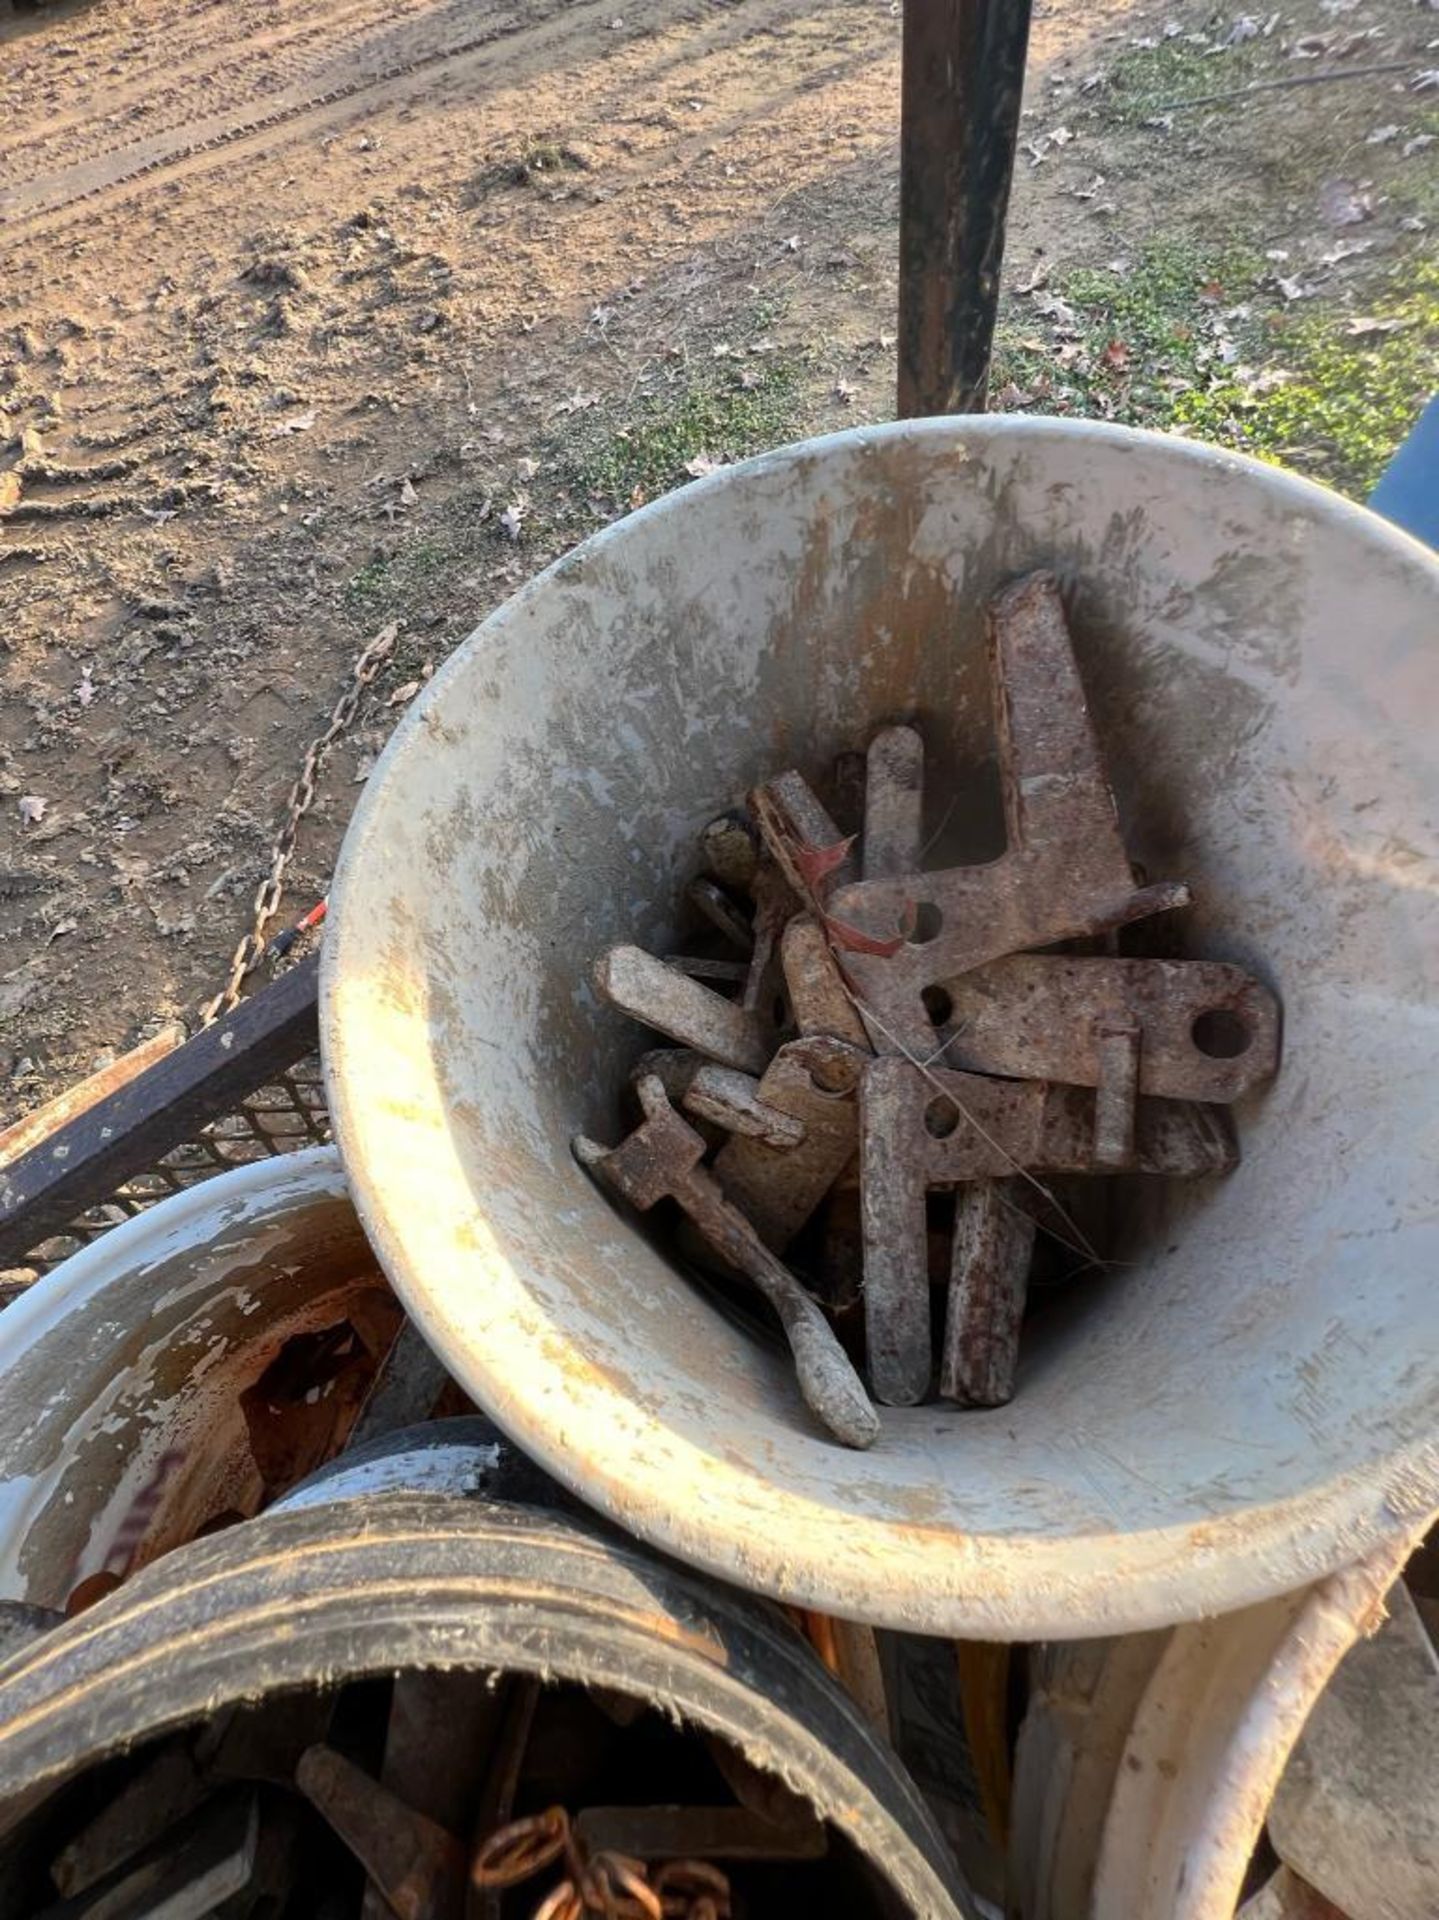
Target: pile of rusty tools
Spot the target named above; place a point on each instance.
(400, 1798)
(891, 1066)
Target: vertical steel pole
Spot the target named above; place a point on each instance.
(963, 76)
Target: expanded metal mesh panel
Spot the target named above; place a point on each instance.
(287, 1113)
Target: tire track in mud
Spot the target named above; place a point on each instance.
(36, 207)
(226, 75)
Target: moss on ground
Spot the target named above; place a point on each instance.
(737, 403)
(1212, 345)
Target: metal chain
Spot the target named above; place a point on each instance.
(371, 657)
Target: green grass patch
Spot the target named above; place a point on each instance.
(1143, 82)
(1205, 344)
(719, 410)
(1332, 402)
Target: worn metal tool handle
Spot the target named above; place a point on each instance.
(832, 1389)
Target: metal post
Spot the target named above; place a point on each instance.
(963, 76)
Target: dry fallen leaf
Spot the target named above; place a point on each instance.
(702, 464)
(9, 491)
(512, 519)
(32, 809)
(408, 496)
(297, 423)
(60, 927)
(1344, 204)
(1115, 356)
(403, 694)
(85, 692)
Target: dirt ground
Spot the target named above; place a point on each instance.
(319, 315)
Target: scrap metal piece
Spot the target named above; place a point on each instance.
(502, 1781)
(1209, 1031)
(989, 1277)
(405, 1389)
(203, 1861)
(733, 1101)
(699, 966)
(729, 847)
(675, 1067)
(721, 912)
(923, 1128)
(1117, 1044)
(774, 904)
(893, 804)
(442, 1725)
(418, 1866)
(817, 992)
(646, 989)
(147, 1807)
(1065, 872)
(813, 1081)
(661, 1159)
(918, 1132)
(684, 1833)
(795, 828)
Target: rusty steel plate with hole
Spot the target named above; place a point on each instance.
(660, 1160)
(813, 1081)
(1066, 871)
(1208, 1031)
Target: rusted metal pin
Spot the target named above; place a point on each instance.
(893, 803)
(796, 828)
(648, 990)
(661, 1159)
(699, 966)
(729, 847)
(989, 1277)
(681, 1833)
(817, 993)
(733, 1101)
(715, 905)
(418, 1866)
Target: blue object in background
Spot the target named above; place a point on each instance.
(1408, 491)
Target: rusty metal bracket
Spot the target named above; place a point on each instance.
(1208, 1031)
(418, 1866)
(692, 1014)
(1065, 872)
(813, 1081)
(661, 1160)
(924, 1129)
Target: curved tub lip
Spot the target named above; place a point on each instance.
(1133, 1581)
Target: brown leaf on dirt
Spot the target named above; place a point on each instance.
(9, 491)
(1116, 357)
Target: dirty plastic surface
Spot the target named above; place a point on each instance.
(121, 1430)
(1245, 1401)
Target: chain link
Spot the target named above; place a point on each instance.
(368, 662)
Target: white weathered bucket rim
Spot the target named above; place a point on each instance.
(723, 1514)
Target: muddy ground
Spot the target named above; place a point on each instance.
(319, 315)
